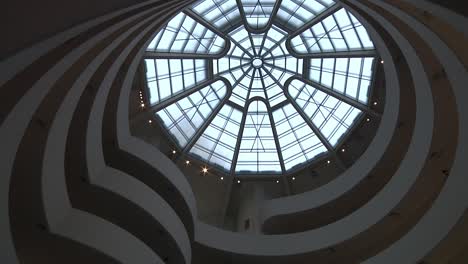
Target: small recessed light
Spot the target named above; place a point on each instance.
(187, 162)
(375, 103)
(328, 162)
(150, 121)
(277, 181)
(142, 105)
(238, 181)
(173, 152)
(205, 170)
(293, 178)
(368, 119)
(222, 178)
(382, 61)
(343, 150)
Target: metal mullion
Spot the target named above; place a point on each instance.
(333, 73)
(338, 54)
(360, 78)
(347, 75)
(278, 57)
(235, 106)
(235, 157)
(278, 149)
(274, 12)
(373, 79)
(238, 142)
(263, 84)
(182, 75)
(263, 44)
(178, 55)
(240, 6)
(252, 44)
(250, 86)
(282, 27)
(306, 68)
(236, 57)
(160, 38)
(210, 70)
(156, 79)
(280, 105)
(170, 75)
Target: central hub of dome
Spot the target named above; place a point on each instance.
(257, 63)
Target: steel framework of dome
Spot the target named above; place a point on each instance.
(260, 87)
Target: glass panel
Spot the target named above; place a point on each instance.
(295, 13)
(217, 143)
(167, 77)
(223, 14)
(297, 140)
(184, 117)
(258, 66)
(184, 35)
(258, 12)
(331, 116)
(348, 76)
(258, 151)
(339, 32)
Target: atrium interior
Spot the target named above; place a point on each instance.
(234, 131)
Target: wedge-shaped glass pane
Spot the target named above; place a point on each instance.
(297, 140)
(295, 13)
(241, 88)
(223, 14)
(339, 32)
(183, 118)
(331, 116)
(258, 152)
(218, 141)
(274, 93)
(349, 76)
(168, 77)
(258, 12)
(184, 35)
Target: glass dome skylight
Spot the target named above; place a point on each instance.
(260, 86)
